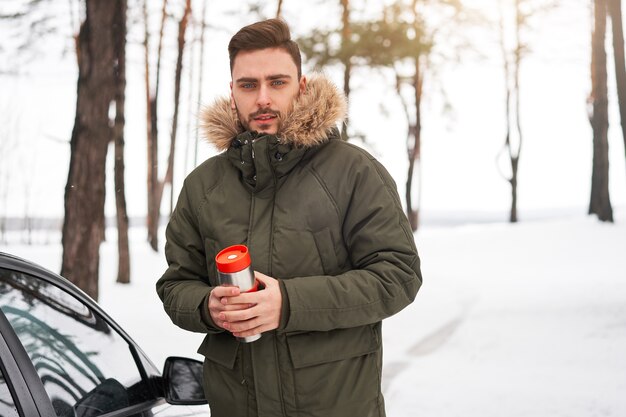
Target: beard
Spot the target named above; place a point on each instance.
(245, 121)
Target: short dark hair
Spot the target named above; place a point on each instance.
(271, 33)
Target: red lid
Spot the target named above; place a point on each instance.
(233, 259)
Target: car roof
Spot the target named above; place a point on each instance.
(16, 263)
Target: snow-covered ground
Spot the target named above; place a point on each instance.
(512, 320)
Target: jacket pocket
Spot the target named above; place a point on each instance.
(220, 348)
(335, 369)
(326, 249)
(312, 348)
(223, 377)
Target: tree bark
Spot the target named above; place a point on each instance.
(600, 203)
(507, 101)
(414, 148)
(83, 226)
(615, 11)
(200, 78)
(146, 50)
(279, 9)
(414, 152)
(119, 31)
(169, 174)
(154, 200)
(511, 68)
(514, 154)
(345, 39)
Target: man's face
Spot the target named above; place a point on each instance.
(265, 83)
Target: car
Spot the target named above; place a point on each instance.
(62, 355)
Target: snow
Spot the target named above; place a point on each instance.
(516, 320)
(522, 320)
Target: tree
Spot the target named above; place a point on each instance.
(83, 226)
(44, 20)
(119, 33)
(513, 51)
(615, 12)
(345, 58)
(152, 95)
(600, 202)
(320, 51)
(169, 174)
(201, 71)
(512, 60)
(155, 186)
(279, 9)
(403, 41)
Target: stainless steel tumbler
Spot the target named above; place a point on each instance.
(233, 269)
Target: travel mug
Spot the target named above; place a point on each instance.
(233, 269)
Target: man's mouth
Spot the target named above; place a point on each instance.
(264, 117)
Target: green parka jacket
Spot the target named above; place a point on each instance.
(324, 218)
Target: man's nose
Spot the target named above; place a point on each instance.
(263, 99)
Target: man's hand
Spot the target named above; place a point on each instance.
(262, 315)
(216, 306)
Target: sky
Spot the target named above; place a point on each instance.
(463, 116)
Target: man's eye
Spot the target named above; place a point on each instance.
(247, 85)
(278, 82)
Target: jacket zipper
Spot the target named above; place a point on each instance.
(271, 274)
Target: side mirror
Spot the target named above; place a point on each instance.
(182, 380)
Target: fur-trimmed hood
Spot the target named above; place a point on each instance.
(315, 114)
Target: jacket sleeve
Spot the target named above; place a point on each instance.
(386, 268)
(184, 287)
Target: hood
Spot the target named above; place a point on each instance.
(314, 116)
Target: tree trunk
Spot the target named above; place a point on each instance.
(279, 9)
(514, 154)
(345, 39)
(154, 201)
(507, 108)
(83, 226)
(511, 68)
(615, 11)
(146, 57)
(513, 181)
(414, 153)
(190, 90)
(200, 79)
(600, 203)
(169, 174)
(119, 31)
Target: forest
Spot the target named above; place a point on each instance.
(135, 73)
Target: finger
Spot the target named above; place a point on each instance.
(225, 291)
(245, 298)
(263, 279)
(252, 332)
(239, 315)
(218, 307)
(242, 326)
(235, 307)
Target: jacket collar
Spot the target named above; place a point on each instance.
(311, 122)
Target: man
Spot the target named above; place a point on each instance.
(326, 232)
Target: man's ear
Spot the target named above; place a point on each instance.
(232, 99)
(302, 84)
